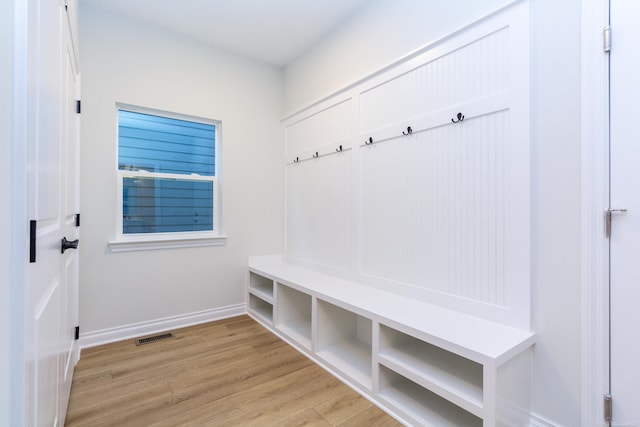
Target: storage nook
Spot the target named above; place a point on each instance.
(412, 370)
(261, 297)
(421, 404)
(294, 316)
(344, 341)
(456, 377)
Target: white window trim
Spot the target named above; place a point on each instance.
(167, 241)
(153, 241)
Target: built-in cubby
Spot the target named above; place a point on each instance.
(424, 364)
(294, 314)
(261, 308)
(449, 375)
(344, 341)
(261, 286)
(424, 407)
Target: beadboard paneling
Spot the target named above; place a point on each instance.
(441, 213)
(433, 207)
(332, 124)
(473, 71)
(319, 207)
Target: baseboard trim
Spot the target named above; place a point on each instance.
(106, 336)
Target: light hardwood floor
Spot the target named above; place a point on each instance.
(227, 373)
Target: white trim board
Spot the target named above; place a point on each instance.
(595, 197)
(120, 333)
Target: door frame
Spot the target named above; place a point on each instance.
(7, 216)
(595, 199)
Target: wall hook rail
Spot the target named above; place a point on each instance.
(409, 131)
(460, 118)
(339, 149)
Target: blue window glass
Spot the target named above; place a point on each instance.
(163, 144)
(156, 205)
(151, 147)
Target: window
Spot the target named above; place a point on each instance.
(167, 174)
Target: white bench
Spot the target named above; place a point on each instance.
(423, 364)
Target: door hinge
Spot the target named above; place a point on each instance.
(606, 38)
(33, 228)
(608, 407)
(77, 220)
(78, 106)
(77, 334)
(607, 220)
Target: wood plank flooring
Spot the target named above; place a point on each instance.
(227, 373)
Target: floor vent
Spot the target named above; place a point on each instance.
(149, 340)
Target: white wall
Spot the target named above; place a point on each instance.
(556, 105)
(386, 30)
(126, 61)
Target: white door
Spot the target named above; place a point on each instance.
(70, 266)
(51, 302)
(625, 194)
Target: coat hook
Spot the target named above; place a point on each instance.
(315, 156)
(408, 132)
(339, 149)
(369, 141)
(460, 118)
(296, 160)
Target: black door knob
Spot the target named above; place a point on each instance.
(68, 244)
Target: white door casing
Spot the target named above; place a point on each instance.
(51, 300)
(624, 194)
(71, 211)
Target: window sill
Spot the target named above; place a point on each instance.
(146, 243)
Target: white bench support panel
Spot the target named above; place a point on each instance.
(424, 364)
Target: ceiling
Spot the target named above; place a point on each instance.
(273, 31)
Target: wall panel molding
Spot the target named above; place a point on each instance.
(432, 200)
